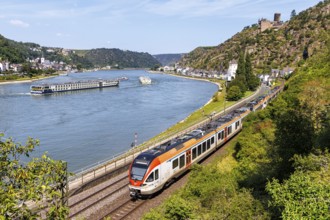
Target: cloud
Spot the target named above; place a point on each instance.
(207, 8)
(192, 8)
(58, 34)
(19, 23)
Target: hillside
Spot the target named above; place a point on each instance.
(123, 59)
(18, 52)
(278, 167)
(168, 59)
(273, 48)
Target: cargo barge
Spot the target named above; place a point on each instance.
(72, 86)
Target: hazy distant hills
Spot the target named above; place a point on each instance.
(116, 57)
(18, 52)
(168, 59)
(277, 47)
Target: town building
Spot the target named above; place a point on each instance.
(231, 72)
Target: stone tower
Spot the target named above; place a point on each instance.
(277, 17)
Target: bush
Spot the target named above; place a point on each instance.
(234, 93)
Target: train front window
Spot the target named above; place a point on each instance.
(138, 171)
(150, 177)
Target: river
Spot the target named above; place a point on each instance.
(87, 126)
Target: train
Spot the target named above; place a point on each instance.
(156, 168)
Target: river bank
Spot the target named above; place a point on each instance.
(26, 81)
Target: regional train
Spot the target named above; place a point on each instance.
(153, 169)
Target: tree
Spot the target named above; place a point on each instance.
(25, 187)
(295, 134)
(305, 53)
(234, 93)
(306, 194)
(241, 65)
(252, 81)
(248, 67)
(293, 14)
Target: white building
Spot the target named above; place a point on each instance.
(168, 68)
(231, 72)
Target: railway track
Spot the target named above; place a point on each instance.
(124, 209)
(84, 203)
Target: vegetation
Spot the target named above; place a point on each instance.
(168, 59)
(278, 167)
(269, 49)
(120, 59)
(18, 52)
(27, 187)
(245, 79)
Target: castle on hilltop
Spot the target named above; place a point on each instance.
(265, 24)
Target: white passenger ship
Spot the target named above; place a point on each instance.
(71, 86)
(145, 80)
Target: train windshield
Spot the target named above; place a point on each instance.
(138, 171)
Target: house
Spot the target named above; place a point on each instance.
(231, 72)
(275, 73)
(168, 68)
(286, 71)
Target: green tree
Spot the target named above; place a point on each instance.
(253, 82)
(25, 187)
(234, 93)
(293, 14)
(306, 194)
(295, 134)
(248, 67)
(241, 65)
(305, 53)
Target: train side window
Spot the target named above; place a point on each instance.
(212, 140)
(204, 147)
(182, 162)
(199, 148)
(236, 125)
(229, 129)
(194, 153)
(150, 177)
(208, 145)
(221, 135)
(156, 174)
(175, 163)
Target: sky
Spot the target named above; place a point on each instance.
(152, 26)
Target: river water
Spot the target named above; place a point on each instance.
(87, 126)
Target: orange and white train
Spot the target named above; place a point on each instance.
(153, 169)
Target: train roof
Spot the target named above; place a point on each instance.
(146, 157)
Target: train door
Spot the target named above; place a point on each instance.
(157, 180)
(226, 133)
(188, 158)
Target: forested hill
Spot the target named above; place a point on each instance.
(273, 48)
(278, 167)
(116, 57)
(19, 52)
(168, 59)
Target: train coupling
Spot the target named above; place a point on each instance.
(134, 193)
